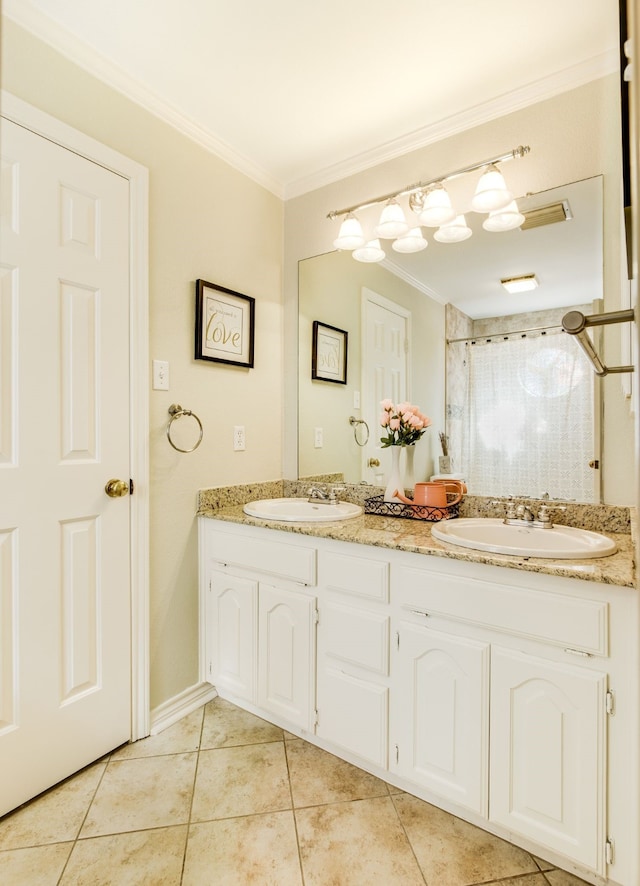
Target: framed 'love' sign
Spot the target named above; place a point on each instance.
(225, 325)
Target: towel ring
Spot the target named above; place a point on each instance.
(175, 412)
(355, 422)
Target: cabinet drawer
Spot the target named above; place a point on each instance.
(266, 556)
(355, 575)
(539, 615)
(357, 637)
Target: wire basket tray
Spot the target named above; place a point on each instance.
(377, 505)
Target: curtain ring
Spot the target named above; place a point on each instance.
(175, 412)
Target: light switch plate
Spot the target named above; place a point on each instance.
(160, 375)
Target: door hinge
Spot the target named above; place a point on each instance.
(609, 851)
(210, 668)
(316, 616)
(316, 717)
(397, 639)
(131, 487)
(397, 748)
(610, 702)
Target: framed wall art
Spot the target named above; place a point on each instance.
(329, 353)
(225, 325)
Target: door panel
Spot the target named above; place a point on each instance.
(65, 605)
(384, 373)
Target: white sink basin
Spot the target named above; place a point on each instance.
(558, 543)
(301, 510)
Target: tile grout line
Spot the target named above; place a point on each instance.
(84, 817)
(193, 793)
(404, 831)
(293, 810)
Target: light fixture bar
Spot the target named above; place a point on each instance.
(520, 151)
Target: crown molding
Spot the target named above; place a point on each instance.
(545, 88)
(412, 281)
(74, 50)
(23, 13)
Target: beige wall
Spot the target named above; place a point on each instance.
(205, 220)
(572, 136)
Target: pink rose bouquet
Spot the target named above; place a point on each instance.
(405, 424)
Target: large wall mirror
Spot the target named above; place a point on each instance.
(446, 301)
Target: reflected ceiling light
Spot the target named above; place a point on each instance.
(453, 232)
(350, 236)
(491, 192)
(504, 219)
(430, 201)
(392, 221)
(412, 241)
(520, 284)
(436, 207)
(370, 252)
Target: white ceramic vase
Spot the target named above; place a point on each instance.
(395, 477)
(409, 478)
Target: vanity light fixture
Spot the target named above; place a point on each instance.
(412, 241)
(431, 203)
(520, 284)
(492, 192)
(350, 236)
(454, 231)
(505, 219)
(370, 252)
(392, 221)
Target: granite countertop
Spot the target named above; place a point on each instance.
(415, 536)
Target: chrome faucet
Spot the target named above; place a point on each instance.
(523, 514)
(317, 492)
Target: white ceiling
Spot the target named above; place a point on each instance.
(297, 93)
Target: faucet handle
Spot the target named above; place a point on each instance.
(543, 513)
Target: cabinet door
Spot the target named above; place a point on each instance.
(440, 714)
(286, 654)
(232, 619)
(548, 754)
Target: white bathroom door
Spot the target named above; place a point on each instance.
(65, 615)
(385, 360)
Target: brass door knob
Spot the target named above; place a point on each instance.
(117, 488)
(374, 462)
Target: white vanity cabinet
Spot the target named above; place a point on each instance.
(260, 621)
(505, 696)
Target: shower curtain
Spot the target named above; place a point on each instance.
(529, 428)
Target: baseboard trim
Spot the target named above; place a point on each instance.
(174, 709)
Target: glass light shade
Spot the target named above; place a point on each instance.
(454, 232)
(412, 241)
(504, 219)
(370, 252)
(436, 209)
(350, 235)
(491, 192)
(392, 221)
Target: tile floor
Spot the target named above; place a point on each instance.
(226, 799)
